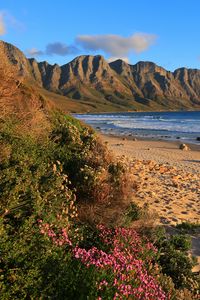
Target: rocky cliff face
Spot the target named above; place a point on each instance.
(148, 80)
(88, 78)
(12, 58)
(17, 95)
(84, 77)
(189, 80)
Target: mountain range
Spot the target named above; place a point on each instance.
(90, 83)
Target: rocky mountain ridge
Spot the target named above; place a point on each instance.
(90, 79)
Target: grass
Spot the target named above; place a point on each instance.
(96, 103)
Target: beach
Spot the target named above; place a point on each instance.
(168, 179)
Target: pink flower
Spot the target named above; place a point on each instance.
(125, 261)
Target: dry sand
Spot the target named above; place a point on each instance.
(168, 179)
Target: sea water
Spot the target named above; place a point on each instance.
(183, 126)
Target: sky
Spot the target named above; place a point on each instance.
(166, 32)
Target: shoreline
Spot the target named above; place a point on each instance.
(132, 137)
(172, 126)
(131, 111)
(161, 151)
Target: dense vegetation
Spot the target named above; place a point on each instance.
(66, 222)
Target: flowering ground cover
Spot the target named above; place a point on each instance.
(124, 270)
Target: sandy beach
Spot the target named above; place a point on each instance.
(168, 179)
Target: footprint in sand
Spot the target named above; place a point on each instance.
(189, 205)
(174, 219)
(184, 212)
(169, 212)
(169, 207)
(164, 220)
(157, 201)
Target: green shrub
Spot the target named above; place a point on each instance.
(181, 242)
(174, 258)
(188, 227)
(44, 180)
(133, 212)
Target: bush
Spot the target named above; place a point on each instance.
(174, 259)
(43, 180)
(119, 260)
(188, 227)
(47, 252)
(133, 212)
(181, 242)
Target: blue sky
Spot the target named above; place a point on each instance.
(166, 32)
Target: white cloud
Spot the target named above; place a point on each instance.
(60, 49)
(116, 45)
(34, 52)
(111, 59)
(2, 24)
(55, 48)
(8, 21)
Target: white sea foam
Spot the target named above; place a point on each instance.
(183, 124)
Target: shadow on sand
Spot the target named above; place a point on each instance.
(192, 161)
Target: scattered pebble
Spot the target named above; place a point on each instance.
(184, 147)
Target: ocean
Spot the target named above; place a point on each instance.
(183, 125)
